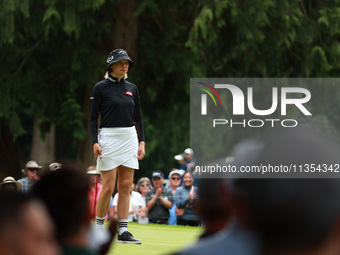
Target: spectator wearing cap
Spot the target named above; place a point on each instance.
(55, 166)
(94, 189)
(31, 170)
(181, 162)
(190, 161)
(9, 183)
(175, 182)
(158, 200)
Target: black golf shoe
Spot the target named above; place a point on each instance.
(127, 237)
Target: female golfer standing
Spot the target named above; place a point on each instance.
(120, 142)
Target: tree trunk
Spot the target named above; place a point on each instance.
(9, 158)
(124, 35)
(43, 150)
(125, 29)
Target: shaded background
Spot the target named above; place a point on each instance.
(53, 52)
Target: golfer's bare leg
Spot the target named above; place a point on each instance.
(125, 179)
(108, 186)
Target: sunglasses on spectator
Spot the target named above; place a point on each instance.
(175, 178)
(33, 169)
(145, 184)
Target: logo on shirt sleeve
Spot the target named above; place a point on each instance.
(128, 93)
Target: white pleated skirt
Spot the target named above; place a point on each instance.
(119, 147)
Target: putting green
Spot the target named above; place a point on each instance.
(157, 239)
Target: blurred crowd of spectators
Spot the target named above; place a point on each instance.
(240, 215)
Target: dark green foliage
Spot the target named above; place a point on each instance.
(51, 51)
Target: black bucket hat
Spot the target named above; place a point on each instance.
(118, 55)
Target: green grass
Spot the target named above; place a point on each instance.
(157, 239)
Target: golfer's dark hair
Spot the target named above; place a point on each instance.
(65, 193)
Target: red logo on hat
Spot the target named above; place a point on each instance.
(128, 93)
